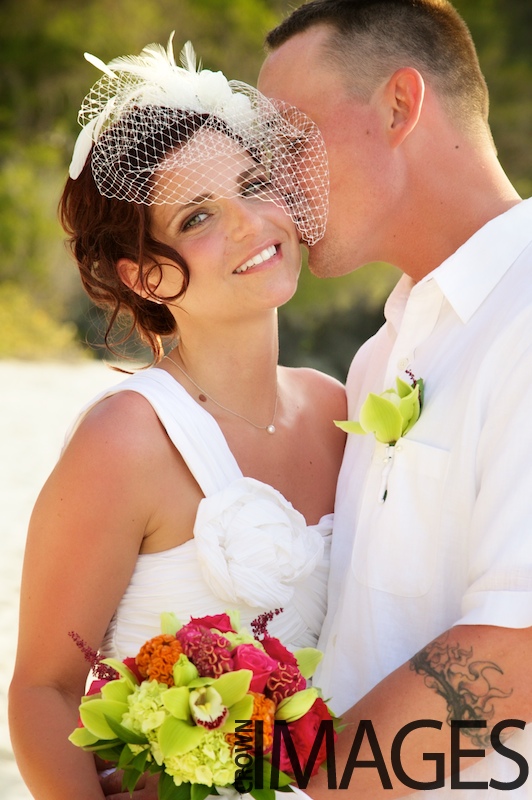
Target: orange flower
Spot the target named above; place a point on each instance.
(156, 658)
(264, 709)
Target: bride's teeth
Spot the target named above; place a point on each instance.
(258, 259)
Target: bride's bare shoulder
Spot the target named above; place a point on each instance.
(324, 392)
(121, 424)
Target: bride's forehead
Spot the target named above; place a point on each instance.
(207, 163)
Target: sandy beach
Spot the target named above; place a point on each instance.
(37, 404)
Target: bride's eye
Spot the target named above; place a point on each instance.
(194, 220)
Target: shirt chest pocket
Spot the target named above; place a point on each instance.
(397, 541)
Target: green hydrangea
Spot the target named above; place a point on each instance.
(209, 764)
(146, 712)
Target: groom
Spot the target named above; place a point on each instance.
(428, 639)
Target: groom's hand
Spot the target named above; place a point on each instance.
(146, 787)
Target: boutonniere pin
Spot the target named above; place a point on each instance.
(389, 416)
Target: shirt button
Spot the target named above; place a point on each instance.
(403, 363)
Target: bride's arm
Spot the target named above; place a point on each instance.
(84, 537)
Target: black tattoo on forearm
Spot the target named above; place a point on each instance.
(465, 685)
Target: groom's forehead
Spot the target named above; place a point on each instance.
(295, 71)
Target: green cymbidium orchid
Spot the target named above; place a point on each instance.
(101, 714)
(308, 659)
(297, 705)
(205, 704)
(184, 671)
(191, 710)
(389, 415)
(207, 708)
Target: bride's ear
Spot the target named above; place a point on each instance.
(404, 94)
(129, 274)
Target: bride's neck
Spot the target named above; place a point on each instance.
(237, 366)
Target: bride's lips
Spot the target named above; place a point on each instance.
(265, 255)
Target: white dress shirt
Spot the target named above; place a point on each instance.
(452, 543)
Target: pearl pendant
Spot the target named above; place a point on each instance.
(271, 429)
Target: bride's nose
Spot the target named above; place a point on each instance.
(245, 217)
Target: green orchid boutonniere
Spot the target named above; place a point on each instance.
(389, 416)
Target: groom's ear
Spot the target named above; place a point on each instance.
(403, 95)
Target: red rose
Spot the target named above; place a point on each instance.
(221, 622)
(303, 733)
(247, 656)
(132, 665)
(276, 650)
(95, 687)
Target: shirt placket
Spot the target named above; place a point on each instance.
(419, 319)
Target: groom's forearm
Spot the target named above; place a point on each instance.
(400, 737)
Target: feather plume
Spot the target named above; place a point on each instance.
(188, 58)
(153, 56)
(170, 49)
(99, 64)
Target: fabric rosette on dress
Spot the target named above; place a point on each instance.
(253, 547)
(249, 542)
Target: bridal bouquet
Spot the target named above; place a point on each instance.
(209, 705)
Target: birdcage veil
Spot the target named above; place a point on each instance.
(141, 123)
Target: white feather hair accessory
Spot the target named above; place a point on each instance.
(141, 123)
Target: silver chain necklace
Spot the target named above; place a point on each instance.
(203, 396)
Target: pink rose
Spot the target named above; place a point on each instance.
(303, 733)
(221, 622)
(247, 656)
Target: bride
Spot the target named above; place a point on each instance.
(205, 482)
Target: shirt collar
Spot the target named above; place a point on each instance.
(396, 302)
(468, 276)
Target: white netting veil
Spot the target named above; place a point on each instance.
(158, 133)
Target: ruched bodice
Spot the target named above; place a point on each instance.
(251, 550)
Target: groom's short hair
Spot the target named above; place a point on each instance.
(370, 39)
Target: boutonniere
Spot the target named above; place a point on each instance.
(389, 416)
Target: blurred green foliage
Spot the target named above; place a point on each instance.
(43, 78)
(29, 332)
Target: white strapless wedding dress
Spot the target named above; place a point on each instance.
(251, 551)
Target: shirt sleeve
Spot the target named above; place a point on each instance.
(500, 541)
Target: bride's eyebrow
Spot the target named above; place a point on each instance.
(196, 201)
